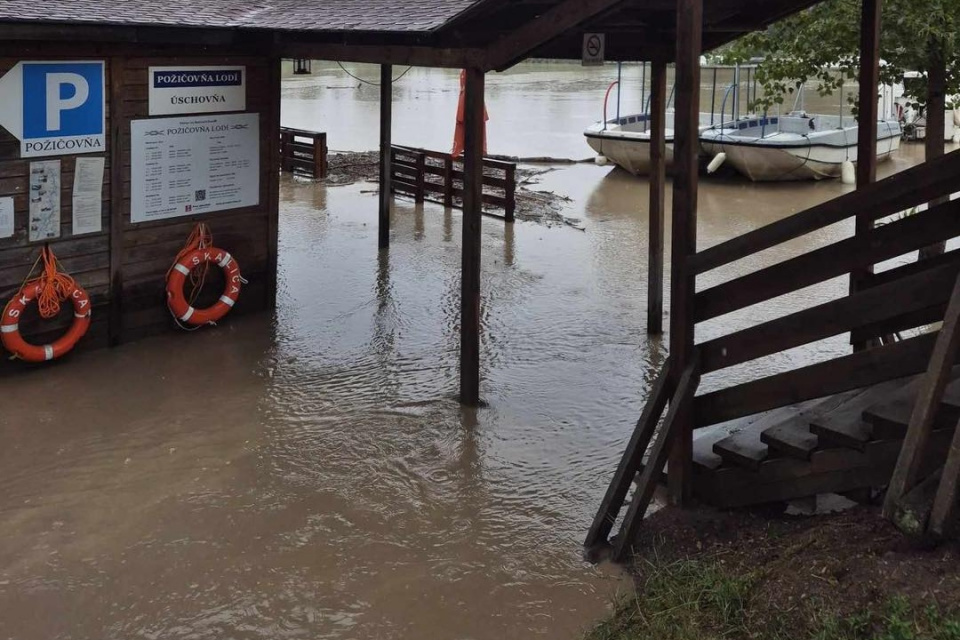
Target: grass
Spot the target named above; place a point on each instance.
(702, 599)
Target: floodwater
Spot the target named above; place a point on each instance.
(309, 474)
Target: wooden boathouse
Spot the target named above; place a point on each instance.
(124, 258)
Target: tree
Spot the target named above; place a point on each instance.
(822, 44)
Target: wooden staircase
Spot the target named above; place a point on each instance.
(831, 427)
(844, 443)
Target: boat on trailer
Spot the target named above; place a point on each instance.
(796, 146)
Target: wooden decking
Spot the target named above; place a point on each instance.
(841, 444)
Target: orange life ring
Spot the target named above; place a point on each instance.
(177, 302)
(10, 325)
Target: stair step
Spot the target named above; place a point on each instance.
(844, 426)
(842, 431)
(743, 449)
(891, 418)
(791, 438)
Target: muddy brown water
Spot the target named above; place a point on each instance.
(309, 474)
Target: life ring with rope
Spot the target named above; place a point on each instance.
(193, 263)
(49, 290)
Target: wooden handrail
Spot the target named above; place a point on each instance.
(914, 293)
(631, 461)
(823, 379)
(917, 185)
(673, 424)
(885, 242)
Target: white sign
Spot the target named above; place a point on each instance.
(88, 196)
(44, 200)
(187, 166)
(6, 217)
(594, 49)
(55, 108)
(197, 90)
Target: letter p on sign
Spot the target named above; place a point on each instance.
(63, 99)
(60, 86)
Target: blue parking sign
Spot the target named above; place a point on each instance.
(55, 108)
(62, 99)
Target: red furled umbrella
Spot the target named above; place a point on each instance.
(459, 133)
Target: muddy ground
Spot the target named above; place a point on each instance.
(807, 569)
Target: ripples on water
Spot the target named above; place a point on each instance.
(311, 475)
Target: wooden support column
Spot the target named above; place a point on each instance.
(117, 125)
(684, 241)
(936, 124)
(658, 178)
(472, 212)
(273, 182)
(867, 119)
(386, 134)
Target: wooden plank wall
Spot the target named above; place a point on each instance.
(124, 266)
(86, 257)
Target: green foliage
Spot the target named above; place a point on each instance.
(704, 600)
(822, 44)
(686, 600)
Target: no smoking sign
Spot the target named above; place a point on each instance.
(594, 48)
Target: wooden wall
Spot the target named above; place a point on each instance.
(124, 266)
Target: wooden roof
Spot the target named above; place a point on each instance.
(491, 34)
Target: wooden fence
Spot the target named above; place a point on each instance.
(438, 177)
(303, 152)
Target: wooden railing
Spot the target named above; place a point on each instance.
(895, 300)
(438, 177)
(303, 152)
(901, 298)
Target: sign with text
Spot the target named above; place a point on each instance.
(55, 108)
(189, 166)
(197, 90)
(594, 49)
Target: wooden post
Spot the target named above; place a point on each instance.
(320, 156)
(386, 125)
(658, 179)
(472, 210)
(867, 119)
(926, 406)
(421, 194)
(684, 241)
(273, 181)
(510, 193)
(117, 126)
(936, 123)
(448, 181)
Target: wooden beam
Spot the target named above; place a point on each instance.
(554, 22)
(890, 300)
(849, 372)
(117, 127)
(673, 429)
(658, 179)
(395, 54)
(882, 243)
(892, 195)
(684, 241)
(273, 181)
(472, 215)
(926, 406)
(944, 513)
(631, 462)
(386, 135)
(867, 118)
